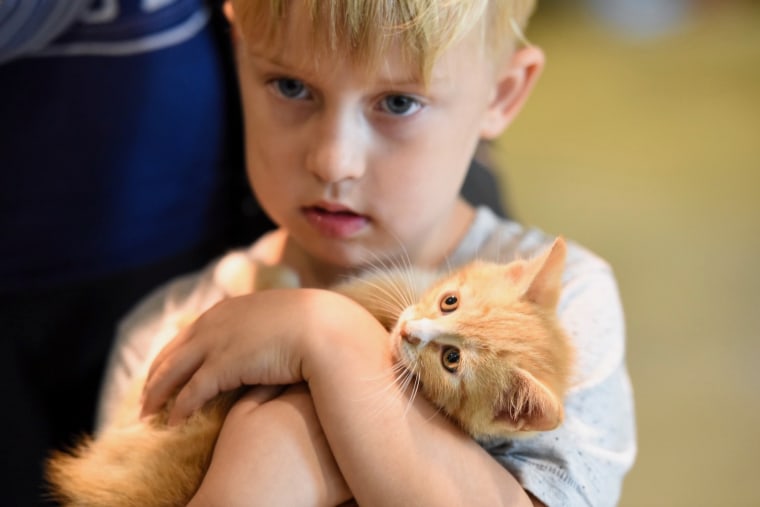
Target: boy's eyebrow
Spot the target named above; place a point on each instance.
(280, 65)
(383, 79)
(275, 60)
(268, 58)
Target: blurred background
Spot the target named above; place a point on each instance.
(642, 141)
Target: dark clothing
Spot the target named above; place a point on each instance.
(120, 168)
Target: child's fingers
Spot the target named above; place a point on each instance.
(200, 388)
(168, 350)
(205, 383)
(169, 372)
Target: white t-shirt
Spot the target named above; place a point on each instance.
(582, 462)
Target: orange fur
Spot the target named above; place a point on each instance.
(515, 359)
(139, 464)
(512, 374)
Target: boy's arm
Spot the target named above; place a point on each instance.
(390, 451)
(276, 453)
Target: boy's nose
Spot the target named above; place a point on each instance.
(337, 151)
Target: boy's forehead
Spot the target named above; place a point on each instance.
(295, 44)
(363, 29)
(313, 34)
(294, 31)
(389, 69)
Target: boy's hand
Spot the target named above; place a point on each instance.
(246, 340)
(259, 338)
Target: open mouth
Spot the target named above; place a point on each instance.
(334, 220)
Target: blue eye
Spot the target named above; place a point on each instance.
(400, 105)
(291, 88)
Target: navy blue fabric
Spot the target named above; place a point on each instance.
(129, 21)
(117, 172)
(28, 25)
(111, 162)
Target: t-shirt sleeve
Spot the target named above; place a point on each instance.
(140, 337)
(584, 461)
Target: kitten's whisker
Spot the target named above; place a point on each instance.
(394, 374)
(438, 410)
(405, 286)
(407, 260)
(389, 292)
(383, 375)
(449, 267)
(377, 263)
(403, 265)
(399, 386)
(373, 260)
(413, 395)
(405, 253)
(394, 295)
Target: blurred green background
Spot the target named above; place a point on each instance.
(645, 147)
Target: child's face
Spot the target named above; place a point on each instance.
(355, 163)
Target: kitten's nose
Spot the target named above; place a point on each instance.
(407, 336)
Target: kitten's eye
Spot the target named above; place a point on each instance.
(450, 358)
(449, 302)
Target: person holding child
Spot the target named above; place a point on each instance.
(365, 116)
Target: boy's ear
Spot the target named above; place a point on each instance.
(514, 83)
(229, 12)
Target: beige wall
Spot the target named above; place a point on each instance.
(649, 153)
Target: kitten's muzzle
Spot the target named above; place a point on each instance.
(407, 335)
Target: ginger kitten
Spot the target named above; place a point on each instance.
(483, 342)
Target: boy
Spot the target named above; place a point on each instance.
(365, 117)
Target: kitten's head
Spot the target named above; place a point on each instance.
(487, 347)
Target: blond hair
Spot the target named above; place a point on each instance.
(366, 28)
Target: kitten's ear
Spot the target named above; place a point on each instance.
(546, 285)
(529, 405)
